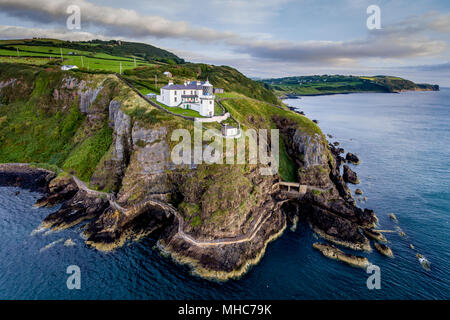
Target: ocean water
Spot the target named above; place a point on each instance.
(403, 141)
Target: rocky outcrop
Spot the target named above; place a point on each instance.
(350, 157)
(384, 249)
(332, 252)
(350, 175)
(26, 177)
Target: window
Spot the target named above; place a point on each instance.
(210, 102)
(175, 99)
(175, 92)
(184, 92)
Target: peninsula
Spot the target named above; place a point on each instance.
(289, 87)
(97, 141)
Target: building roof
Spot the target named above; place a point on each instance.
(193, 85)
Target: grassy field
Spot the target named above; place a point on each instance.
(181, 111)
(33, 54)
(35, 61)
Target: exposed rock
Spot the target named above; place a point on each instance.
(350, 157)
(383, 249)
(411, 246)
(26, 177)
(393, 217)
(350, 176)
(336, 143)
(332, 252)
(359, 191)
(375, 235)
(69, 243)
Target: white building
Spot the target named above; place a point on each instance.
(228, 131)
(68, 67)
(193, 95)
(167, 74)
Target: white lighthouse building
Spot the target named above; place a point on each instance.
(195, 95)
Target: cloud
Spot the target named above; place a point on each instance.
(14, 32)
(398, 41)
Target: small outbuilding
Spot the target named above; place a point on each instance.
(228, 131)
(168, 74)
(151, 95)
(218, 90)
(68, 67)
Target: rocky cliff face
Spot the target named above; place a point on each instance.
(218, 218)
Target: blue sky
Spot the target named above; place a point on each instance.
(265, 38)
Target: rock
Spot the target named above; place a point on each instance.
(330, 136)
(332, 252)
(358, 191)
(393, 217)
(69, 243)
(383, 249)
(402, 234)
(335, 143)
(315, 121)
(411, 246)
(25, 176)
(424, 262)
(350, 157)
(365, 198)
(375, 235)
(350, 176)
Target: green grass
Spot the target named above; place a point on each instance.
(181, 111)
(257, 114)
(24, 60)
(84, 158)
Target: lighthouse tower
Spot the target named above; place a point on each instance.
(207, 99)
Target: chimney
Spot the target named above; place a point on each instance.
(170, 82)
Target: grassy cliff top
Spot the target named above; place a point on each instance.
(328, 84)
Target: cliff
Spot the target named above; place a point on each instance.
(110, 153)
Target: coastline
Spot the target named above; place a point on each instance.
(298, 96)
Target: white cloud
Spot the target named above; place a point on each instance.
(405, 39)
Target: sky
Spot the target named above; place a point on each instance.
(263, 38)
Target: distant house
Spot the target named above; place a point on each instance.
(68, 67)
(168, 74)
(151, 95)
(218, 90)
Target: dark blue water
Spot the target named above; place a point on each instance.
(403, 142)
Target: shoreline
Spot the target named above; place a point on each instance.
(298, 96)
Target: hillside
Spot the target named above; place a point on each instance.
(331, 84)
(110, 155)
(93, 55)
(230, 79)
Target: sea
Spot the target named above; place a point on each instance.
(403, 141)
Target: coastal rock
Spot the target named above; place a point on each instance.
(383, 249)
(350, 176)
(26, 177)
(359, 191)
(375, 235)
(350, 157)
(393, 217)
(332, 252)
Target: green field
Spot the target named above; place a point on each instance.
(17, 51)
